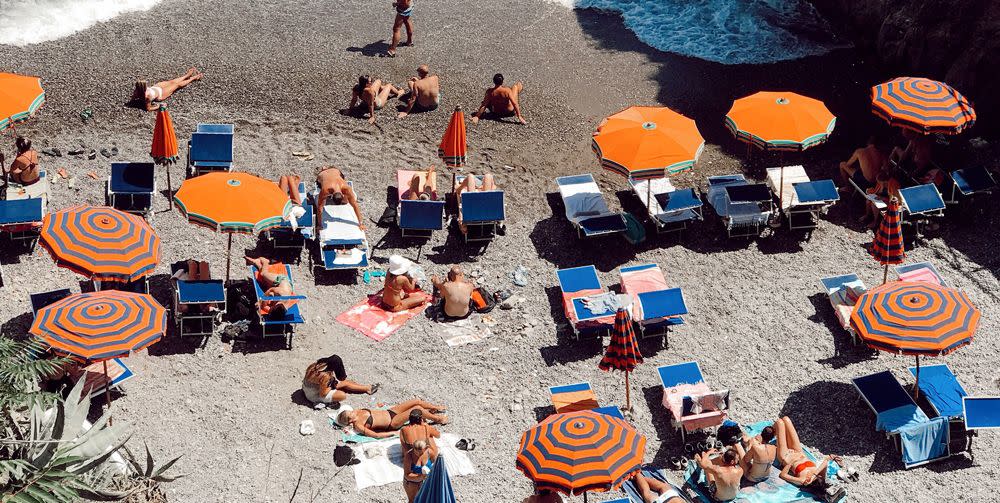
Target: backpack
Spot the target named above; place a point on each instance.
(482, 301)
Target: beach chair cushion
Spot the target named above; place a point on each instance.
(783, 180)
(201, 291)
(843, 292)
(941, 388)
(18, 213)
(981, 412)
(214, 128)
(651, 298)
(577, 283)
(573, 397)
(340, 226)
(212, 149)
(922, 199)
(920, 271)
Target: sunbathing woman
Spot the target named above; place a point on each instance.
(274, 285)
(425, 192)
(373, 93)
(417, 464)
(655, 491)
(401, 292)
(797, 468)
(289, 184)
(24, 169)
(147, 97)
(378, 423)
(326, 382)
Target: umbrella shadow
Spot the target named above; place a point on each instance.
(831, 417)
(17, 327)
(845, 351)
(543, 412)
(667, 436)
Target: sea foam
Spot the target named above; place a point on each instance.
(24, 22)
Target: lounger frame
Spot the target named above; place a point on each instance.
(483, 229)
(191, 322)
(270, 327)
(590, 325)
(135, 196)
(327, 247)
(688, 366)
(26, 232)
(832, 284)
(218, 137)
(738, 228)
(604, 215)
(288, 241)
(672, 220)
(964, 178)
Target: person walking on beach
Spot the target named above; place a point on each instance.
(501, 101)
(404, 8)
(147, 97)
(373, 93)
(424, 94)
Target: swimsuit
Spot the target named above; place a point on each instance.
(670, 493)
(406, 12)
(154, 93)
(802, 466)
(765, 463)
(859, 179)
(417, 469)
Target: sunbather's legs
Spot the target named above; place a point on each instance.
(781, 441)
(646, 488)
(489, 182)
(400, 419)
(411, 489)
(467, 185)
(269, 278)
(203, 272)
(414, 192)
(515, 93)
(416, 402)
(171, 86)
(350, 386)
(430, 186)
(793, 436)
(290, 185)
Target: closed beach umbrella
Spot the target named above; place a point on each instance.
(453, 144)
(101, 243)
(582, 451)
(922, 105)
(915, 318)
(780, 121)
(164, 148)
(20, 97)
(647, 142)
(623, 351)
(887, 248)
(436, 488)
(232, 203)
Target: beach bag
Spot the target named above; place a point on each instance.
(344, 456)
(729, 434)
(483, 301)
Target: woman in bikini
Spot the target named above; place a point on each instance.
(326, 382)
(274, 285)
(379, 423)
(373, 93)
(796, 467)
(655, 491)
(420, 451)
(147, 97)
(758, 456)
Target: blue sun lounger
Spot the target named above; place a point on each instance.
(803, 201)
(745, 208)
(577, 397)
(273, 324)
(981, 413)
(576, 284)
(417, 218)
(655, 306)
(198, 304)
(42, 299)
(210, 149)
(342, 243)
(131, 186)
(942, 390)
(286, 237)
(586, 208)
(921, 202)
(21, 219)
(968, 182)
(481, 212)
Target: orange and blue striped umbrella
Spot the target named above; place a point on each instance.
(915, 318)
(887, 248)
(780, 121)
(453, 144)
(20, 97)
(232, 202)
(576, 452)
(101, 243)
(100, 325)
(647, 142)
(623, 350)
(922, 105)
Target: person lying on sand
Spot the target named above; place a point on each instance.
(373, 94)
(863, 165)
(723, 474)
(147, 97)
(758, 456)
(24, 169)
(796, 467)
(404, 9)
(424, 94)
(501, 101)
(429, 190)
(274, 285)
(456, 293)
(655, 491)
(326, 382)
(334, 189)
(544, 496)
(379, 423)
(400, 292)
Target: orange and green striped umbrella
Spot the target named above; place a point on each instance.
(647, 142)
(101, 243)
(922, 105)
(453, 144)
(780, 121)
(164, 148)
(232, 202)
(20, 97)
(100, 325)
(576, 452)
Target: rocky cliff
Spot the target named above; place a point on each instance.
(957, 41)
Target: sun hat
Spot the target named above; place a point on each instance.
(343, 408)
(398, 265)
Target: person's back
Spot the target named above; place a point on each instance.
(871, 158)
(761, 460)
(456, 292)
(330, 181)
(727, 482)
(428, 89)
(395, 286)
(501, 100)
(24, 169)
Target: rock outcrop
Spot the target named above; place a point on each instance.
(957, 41)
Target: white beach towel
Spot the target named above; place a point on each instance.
(791, 176)
(467, 331)
(583, 200)
(340, 222)
(653, 187)
(388, 468)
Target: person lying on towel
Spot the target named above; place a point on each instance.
(796, 467)
(456, 292)
(274, 285)
(379, 423)
(401, 292)
(654, 491)
(326, 382)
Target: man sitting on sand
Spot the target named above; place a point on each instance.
(326, 382)
(274, 285)
(655, 491)
(426, 192)
(723, 474)
(424, 94)
(456, 293)
(334, 189)
(374, 94)
(864, 164)
(758, 456)
(401, 292)
(24, 169)
(379, 423)
(501, 101)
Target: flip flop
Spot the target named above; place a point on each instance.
(675, 463)
(375, 388)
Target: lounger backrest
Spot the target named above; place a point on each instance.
(680, 373)
(816, 191)
(981, 412)
(483, 206)
(425, 215)
(920, 271)
(663, 303)
(215, 128)
(748, 193)
(19, 211)
(941, 388)
(201, 291)
(973, 179)
(835, 283)
(724, 180)
(570, 388)
(575, 179)
(610, 410)
(678, 200)
(883, 392)
(132, 177)
(922, 198)
(40, 300)
(576, 279)
(217, 147)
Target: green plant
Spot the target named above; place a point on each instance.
(21, 368)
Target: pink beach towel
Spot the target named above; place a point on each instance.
(642, 281)
(369, 318)
(923, 274)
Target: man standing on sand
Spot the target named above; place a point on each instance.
(869, 160)
(424, 94)
(333, 188)
(501, 101)
(456, 292)
(404, 9)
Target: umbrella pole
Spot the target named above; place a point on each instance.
(170, 189)
(885, 274)
(916, 385)
(649, 190)
(628, 398)
(229, 256)
(107, 392)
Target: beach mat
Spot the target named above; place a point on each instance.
(388, 468)
(462, 332)
(376, 323)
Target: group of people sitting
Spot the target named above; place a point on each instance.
(326, 382)
(24, 169)
(402, 289)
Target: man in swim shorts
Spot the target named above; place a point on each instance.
(334, 189)
(404, 9)
(501, 101)
(864, 165)
(424, 94)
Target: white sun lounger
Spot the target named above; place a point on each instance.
(342, 243)
(841, 305)
(586, 208)
(669, 208)
(745, 208)
(802, 200)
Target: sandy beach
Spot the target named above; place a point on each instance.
(281, 71)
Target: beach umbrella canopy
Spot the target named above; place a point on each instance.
(232, 203)
(922, 105)
(887, 248)
(436, 488)
(780, 121)
(582, 451)
(623, 351)
(453, 144)
(101, 243)
(164, 148)
(647, 142)
(20, 97)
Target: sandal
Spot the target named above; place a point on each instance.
(675, 463)
(375, 388)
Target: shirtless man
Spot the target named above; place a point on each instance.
(456, 292)
(758, 456)
(374, 94)
(869, 160)
(275, 285)
(400, 292)
(501, 101)
(918, 151)
(723, 479)
(333, 188)
(424, 94)
(654, 491)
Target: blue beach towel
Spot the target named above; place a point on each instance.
(924, 442)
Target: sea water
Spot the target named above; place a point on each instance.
(24, 22)
(724, 31)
